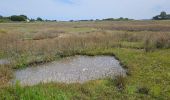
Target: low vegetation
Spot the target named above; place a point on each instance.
(143, 47)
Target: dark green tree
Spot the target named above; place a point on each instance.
(24, 16)
(18, 18)
(39, 19)
(163, 15)
(156, 17)
(1, 16)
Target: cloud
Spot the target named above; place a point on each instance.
(84, 9)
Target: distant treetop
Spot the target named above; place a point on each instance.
(163, 16)
(118, 19)
(39, 19)
(19, 18)
(1, 16)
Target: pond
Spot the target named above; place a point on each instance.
(77, 69)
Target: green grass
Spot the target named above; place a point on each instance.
(1, 54)
(149, 77)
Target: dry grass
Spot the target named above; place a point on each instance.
(157, 40)
(53, 39)
(5, 75)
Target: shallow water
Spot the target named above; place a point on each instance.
(70, 70)
(4, 61)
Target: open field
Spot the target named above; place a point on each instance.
(143, 48)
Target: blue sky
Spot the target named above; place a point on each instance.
(84, 9)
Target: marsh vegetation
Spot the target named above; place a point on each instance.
(143, 48)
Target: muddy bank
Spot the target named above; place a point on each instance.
(70, 70)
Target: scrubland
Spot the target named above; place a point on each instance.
(143, 48)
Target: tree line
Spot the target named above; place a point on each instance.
(18, 18)
(163, 16)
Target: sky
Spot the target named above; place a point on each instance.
(84, 9)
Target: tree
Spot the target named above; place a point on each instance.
(1, 16)
(156, 17)
(24, 16)
(18, 18)
(163, 15)
(39, 19)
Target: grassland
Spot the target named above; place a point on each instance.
(143, 47)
